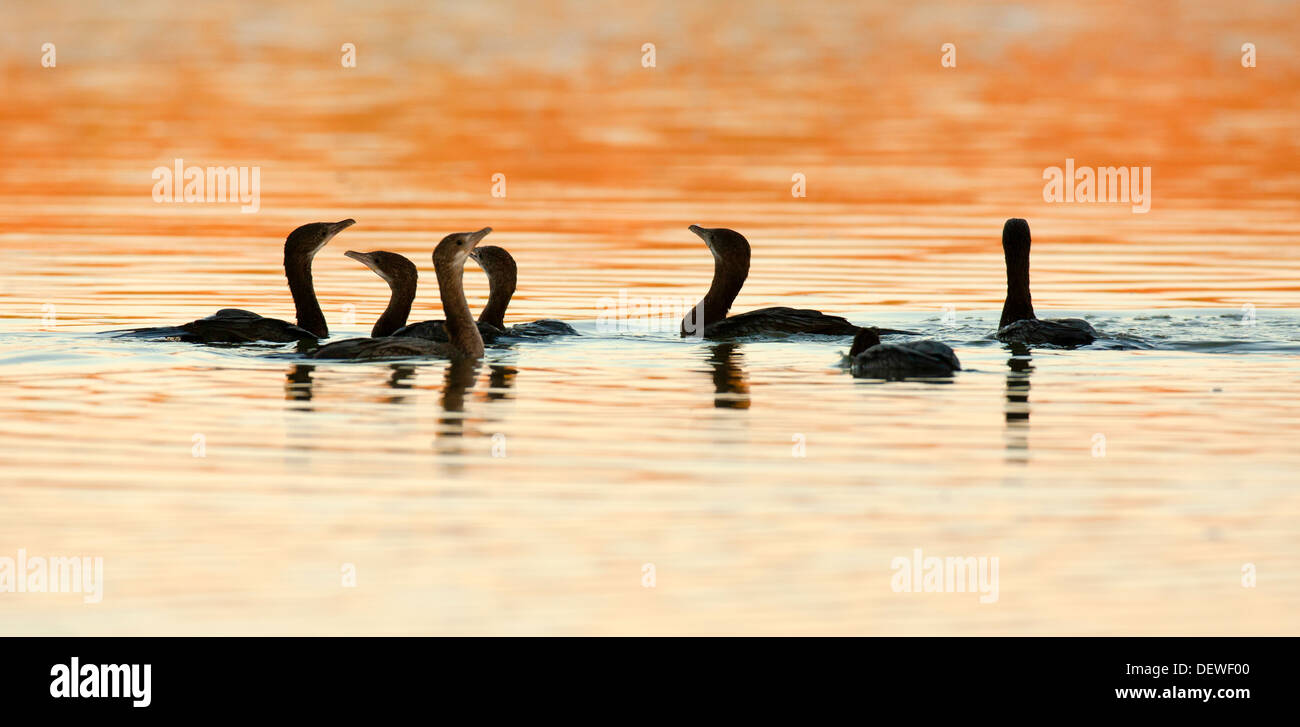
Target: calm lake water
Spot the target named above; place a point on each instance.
(1124, 488)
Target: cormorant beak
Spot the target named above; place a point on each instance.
(477, 237)
(704, 235)
(368, 259)
(332, 229)
(337, 227)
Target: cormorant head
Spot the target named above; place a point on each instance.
(307, 240)
(725, 244)
(456, 247)
(1015, 237)
(866, 338)
(395, 269)
(495, 261)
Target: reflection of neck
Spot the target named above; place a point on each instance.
(461, 331)
(729, 376)
(460, 377)
(501, 380)
(1018, 306)
(728, 278)
(501, 286)
(399, 308)
(298, 270)
(1018, 390)
(297, 385)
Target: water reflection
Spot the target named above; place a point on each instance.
(458, 378)
(302, 435)
(402, 379)
(730, 383)
(1017, 407)
(500, 381)
(297, 383)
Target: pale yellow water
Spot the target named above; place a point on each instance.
(626, 449)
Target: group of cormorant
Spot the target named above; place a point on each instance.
(460, 336)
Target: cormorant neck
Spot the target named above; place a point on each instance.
(461, 331)
(398, 310)
(298, 270)
(728, 278)
(1019, 306)
(501, 288)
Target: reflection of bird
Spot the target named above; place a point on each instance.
(730, 386)
(1017, 406)
(297, 383)
(400, 274)
(232, 325)
(461, 375)
(1018, 389)
(500, 381)
(1018, 324)
(869, 358)
(730, 269)
(401, 376)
